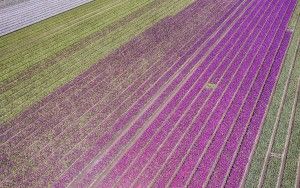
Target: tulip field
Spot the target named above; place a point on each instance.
(150, 93)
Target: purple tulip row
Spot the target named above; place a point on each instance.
(202, 144)
(55, 141)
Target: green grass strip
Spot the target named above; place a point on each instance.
(288, 105)
(256, 165)
(71, 28)
(273, 168)
(290, 170)
(41, 27)
(285, 116)
(19, 62)
(56, 28)
(64, 71)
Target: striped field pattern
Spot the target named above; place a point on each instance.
(150, 93)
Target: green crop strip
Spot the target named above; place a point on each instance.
(273, 168)
(56, 28)
(44, 26)
(44, 49)
(286, 113)
(14, 91)
(291, 62)
(292, 160)
(35, 88)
